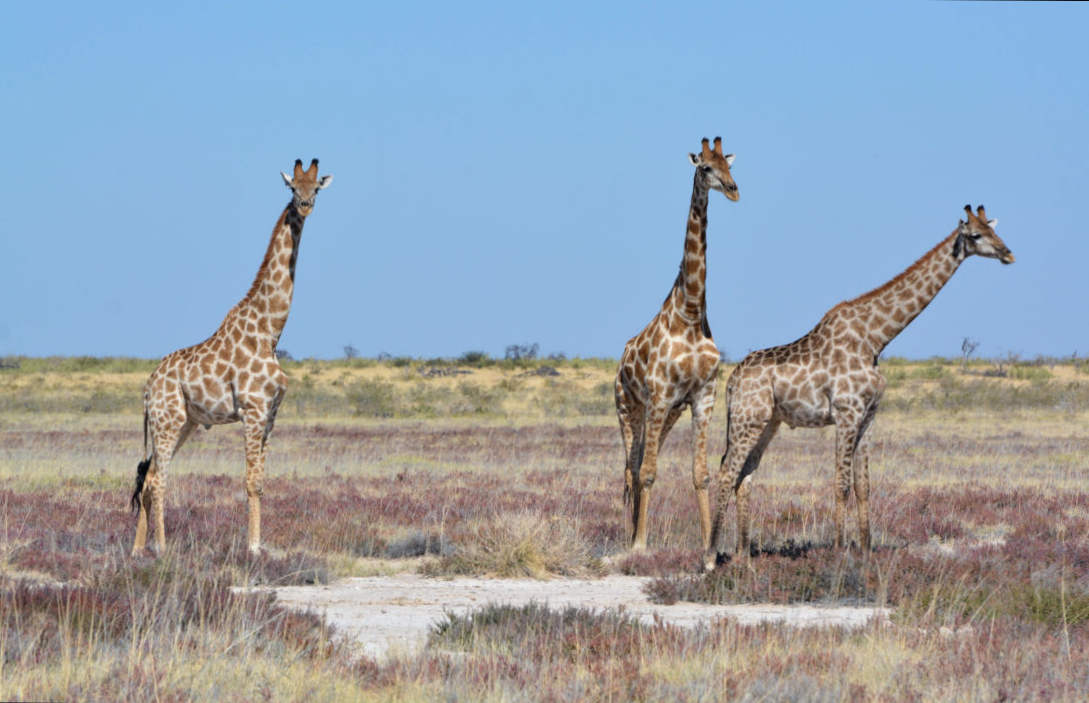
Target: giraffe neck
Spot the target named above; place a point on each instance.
(269, 298)
(885, 311)
(688, 298)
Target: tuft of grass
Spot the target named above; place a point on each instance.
(518, 545)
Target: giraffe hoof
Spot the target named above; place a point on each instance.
(713, 560)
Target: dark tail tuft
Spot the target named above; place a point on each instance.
(141, 474)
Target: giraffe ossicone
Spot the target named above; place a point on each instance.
(232, 376)
(830, 377)
(673, 363)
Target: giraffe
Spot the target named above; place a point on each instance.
(830, 377)
(231, 376)
(674, 362)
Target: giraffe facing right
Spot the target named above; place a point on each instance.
(674, 362)
(830, 377)
(232, 376)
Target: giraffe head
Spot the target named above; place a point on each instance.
(977, 236)
(305, 185)
(714, 168)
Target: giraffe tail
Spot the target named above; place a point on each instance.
(141, 469)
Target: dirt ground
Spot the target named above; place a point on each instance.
(393, 614)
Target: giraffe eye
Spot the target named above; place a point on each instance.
(974, 235)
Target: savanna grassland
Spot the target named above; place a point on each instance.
(980, 509)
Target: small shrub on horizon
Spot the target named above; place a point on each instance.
(474, 358)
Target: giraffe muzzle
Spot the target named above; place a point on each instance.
(1007, 257)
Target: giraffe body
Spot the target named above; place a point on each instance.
(831, 377)
(673, 362)
(232, 376)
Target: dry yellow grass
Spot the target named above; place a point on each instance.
(534, 437)
(582, 388)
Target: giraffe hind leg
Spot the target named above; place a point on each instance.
(745, 447)
(851, 423)
(860, 469)
(648, 469)
(167, 438)
(630, 416)
(702, 407)
(140, 502)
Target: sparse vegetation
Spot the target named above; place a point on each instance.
(979, 506)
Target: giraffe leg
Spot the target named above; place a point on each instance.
(648, 471)
(167, 438)
(861, 474)
(745, 446)
(739, 442)
(257, 424)
(702, 406)
(143, 500)
(744, 486)
(861, 468)
(630, 414)
(849, 420)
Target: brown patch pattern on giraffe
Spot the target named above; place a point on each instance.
(830, 377)
(231, 376)
(673, 362)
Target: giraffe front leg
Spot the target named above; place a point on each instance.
(257, 425)
(648, 471)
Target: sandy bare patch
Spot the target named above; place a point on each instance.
(392, 614)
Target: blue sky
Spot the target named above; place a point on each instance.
(516, 173)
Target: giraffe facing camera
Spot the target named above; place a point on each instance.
(673, 363)
(232, 376)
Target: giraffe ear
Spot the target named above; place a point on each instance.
(286, 179)
(729, 159)
(694, 159)
(992, 223)
(324, 181)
